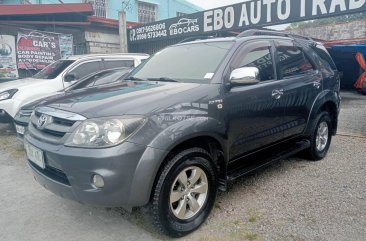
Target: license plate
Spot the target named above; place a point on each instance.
(35, 155)
(20, 129)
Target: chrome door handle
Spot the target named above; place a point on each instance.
(317, 84)
(277, 93)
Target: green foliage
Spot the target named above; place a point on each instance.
(327, 21)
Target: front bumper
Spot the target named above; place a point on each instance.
(128, 171)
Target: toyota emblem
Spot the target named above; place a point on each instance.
(43, 121)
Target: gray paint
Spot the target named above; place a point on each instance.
(240, 118)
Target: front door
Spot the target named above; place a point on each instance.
(254, 112)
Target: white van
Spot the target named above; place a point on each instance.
(58, 76)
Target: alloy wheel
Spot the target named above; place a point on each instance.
(322, 136)
(188, 193)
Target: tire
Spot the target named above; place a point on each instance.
(164, 210)
(319, 140)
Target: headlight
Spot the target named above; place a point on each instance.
(7, 94)
(104, 132)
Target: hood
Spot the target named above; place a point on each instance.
(134, 98)
(43, 101)
(17, 84)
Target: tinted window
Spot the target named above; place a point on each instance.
(105, 77)
(258, 55)
(112, 77)
(53, 70)
(192, 62)
(292, 60)
(111, 64)
(324, 55)
(86, 69)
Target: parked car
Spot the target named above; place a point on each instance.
(195, 117)
(58, 76)
(102, 78)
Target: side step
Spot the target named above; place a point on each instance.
(259, 161)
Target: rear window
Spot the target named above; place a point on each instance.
(324, 55)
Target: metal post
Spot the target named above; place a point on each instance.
(122, 31)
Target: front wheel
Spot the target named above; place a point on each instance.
(320, 137)
(185, 193)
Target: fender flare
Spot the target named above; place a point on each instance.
(160, 147)
(322, 98)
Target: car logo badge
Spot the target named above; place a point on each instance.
(43, 121)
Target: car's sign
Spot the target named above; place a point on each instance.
(37, 49)
(241, 16)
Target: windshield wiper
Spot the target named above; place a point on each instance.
(135, 79)
(163, 79)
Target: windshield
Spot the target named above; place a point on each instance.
(101, 78)
(189, 62)
(53, 70)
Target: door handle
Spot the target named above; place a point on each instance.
(277, 93)
(317, 84)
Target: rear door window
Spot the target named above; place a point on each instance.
(291, 60)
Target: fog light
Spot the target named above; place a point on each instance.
(98, 181)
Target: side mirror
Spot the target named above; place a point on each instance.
(245, 76)
(70, 77)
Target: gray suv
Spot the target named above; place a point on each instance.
(189, 121)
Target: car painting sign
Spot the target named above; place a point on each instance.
(245, 15)
(36, 49)
(8, 66)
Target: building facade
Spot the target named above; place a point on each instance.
(143, 11)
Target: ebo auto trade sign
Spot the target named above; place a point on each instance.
(241, 16)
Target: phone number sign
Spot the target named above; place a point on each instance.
(241, 16)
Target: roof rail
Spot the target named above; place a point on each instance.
(197, 38)
(256, 32)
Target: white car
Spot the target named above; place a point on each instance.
(58, 76)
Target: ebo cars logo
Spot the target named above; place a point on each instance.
(184, 25)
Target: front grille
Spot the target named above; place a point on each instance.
(51, 125)
(54, 133)
(23, 117)
(63, 121)
(51, 132)
(21, 123)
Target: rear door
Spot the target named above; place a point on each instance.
(254, 112)
(302, 83)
